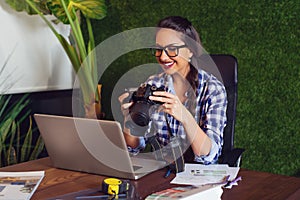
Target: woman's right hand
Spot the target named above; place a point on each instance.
(131, 140)
(124, 106)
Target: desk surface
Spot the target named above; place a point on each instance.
(254, 185)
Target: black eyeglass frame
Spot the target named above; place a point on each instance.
(154, 50)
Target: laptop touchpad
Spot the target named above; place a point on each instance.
(136, 167)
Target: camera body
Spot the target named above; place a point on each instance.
(139, 110)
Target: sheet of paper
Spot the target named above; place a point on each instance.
(19, 185)
(197, 174)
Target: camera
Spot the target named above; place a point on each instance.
(141, 107)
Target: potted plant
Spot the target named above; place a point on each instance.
(81, 53)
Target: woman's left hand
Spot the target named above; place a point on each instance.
(171, 104)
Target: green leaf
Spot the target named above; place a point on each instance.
(4, 100)
(11, 156)
(71, 52)
(27, 142)
(94, 9)
(39, 146)
(21, 5)
(58, 11)
(15, 108)
(5, 131)
(17, 143)
(11, 153)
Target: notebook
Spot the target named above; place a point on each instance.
(92, 146)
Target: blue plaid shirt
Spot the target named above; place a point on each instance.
(208, 106)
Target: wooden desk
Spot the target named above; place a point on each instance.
(254, 185)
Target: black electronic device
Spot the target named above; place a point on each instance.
(139, 110)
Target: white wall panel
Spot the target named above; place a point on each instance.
(38, 62)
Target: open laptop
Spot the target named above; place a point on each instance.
(93, 146)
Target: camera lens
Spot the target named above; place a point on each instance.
(140, 113)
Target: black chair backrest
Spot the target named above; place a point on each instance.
(228, 66)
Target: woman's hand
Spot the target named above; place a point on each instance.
(131, 140)
(171, 104)
(124, 106)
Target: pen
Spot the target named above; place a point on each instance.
(229, 183)
(236, 180)
(168, 173)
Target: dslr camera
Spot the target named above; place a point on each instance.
(140, 110)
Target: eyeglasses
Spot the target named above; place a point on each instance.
(171, 51)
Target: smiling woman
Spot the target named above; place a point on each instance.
(189, 111)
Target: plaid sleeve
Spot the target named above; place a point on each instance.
(214, 119)
(140, 147)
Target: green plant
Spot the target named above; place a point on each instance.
(81, 53)
(14, 147)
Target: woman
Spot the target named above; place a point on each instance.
(194, 105)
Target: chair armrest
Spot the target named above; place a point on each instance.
(232, 158)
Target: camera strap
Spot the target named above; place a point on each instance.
(177, 159)
(178, 164)
(156, 147)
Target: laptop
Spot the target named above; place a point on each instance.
(92, 146)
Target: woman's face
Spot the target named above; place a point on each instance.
(171, 39)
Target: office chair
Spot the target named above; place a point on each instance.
(228, 66)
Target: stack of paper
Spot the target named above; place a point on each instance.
(196, 174)
(203, 182)
(207, 192)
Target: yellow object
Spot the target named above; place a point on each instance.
(113, 185)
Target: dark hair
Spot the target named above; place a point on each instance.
(191, 39)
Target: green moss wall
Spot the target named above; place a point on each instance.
(264, 36)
